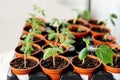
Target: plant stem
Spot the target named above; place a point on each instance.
(116, 59)
(83, 61)
(53, 61)
(74, 21)
(25, 61)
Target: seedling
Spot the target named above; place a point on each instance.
(86, 15)
(27, 47)
(55, 35)
(106, 36)
(35, 22)
(103, 52)
(111, 18)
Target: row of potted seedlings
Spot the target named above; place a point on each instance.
(45, 45)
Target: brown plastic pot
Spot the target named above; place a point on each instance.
(83, 71)
(98, 42)
(79, 35)
(24, 71)
(94, 22)
(99, 28)
(47, 45)
(112, 69)
(18, 54)
(56, 73)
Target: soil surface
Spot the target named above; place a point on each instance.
(116, 50)
(76, 30)
(89, 63)
(77, 22)
(19, 63)
(95, 22)
(101, 39)
(116, 64)
(59, 63)
(18, 50)
(99, 30)
(27, 28)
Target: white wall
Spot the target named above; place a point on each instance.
(102, 8)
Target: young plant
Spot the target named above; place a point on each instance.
(106, 36)
(111, 18)
(27, 47)
(54, 49)
(103, 52)
(86, 15)
(35, 22)
(84, 52)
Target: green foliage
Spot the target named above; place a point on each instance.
(35, 22)
(112, 17)
(86, 15)
(87, 42)
(27, 47)
(105, 54)
(84, 52)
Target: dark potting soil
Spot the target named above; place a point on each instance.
(89, 63)
(99, 30)
(77, 22)
(95, 22)
(76, 30)
(116, 64)
(59, 63)
(116, 50)
(101, 39)
(18, 50)
(19, 63)
(27, 28)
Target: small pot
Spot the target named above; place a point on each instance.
(84, 71)
(114, 71)
(55, 74)
(94, 22)
(107, 30)
(98, 42)
(24, 71)
(19, 54)
(79, 35)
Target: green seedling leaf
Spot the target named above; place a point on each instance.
(105, 54)
(86, 14)
(47, 53)
(114, 16)
(87, 42)
(112, 21)
(51, 36)
(83, 54)
(50, 31)
(60, 49)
